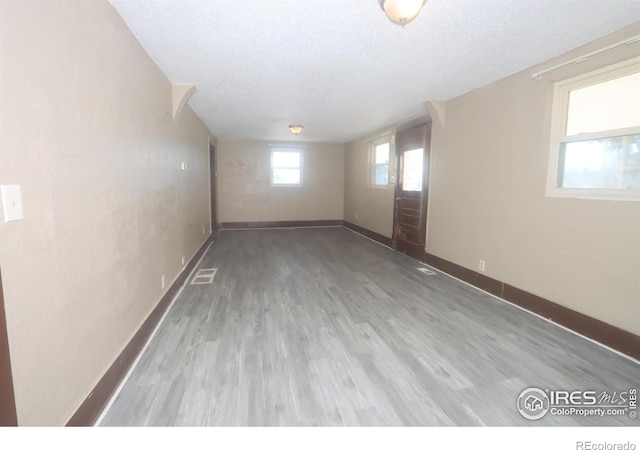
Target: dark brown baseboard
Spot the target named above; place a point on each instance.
(97, 400)
(281, 224)
(368, 233)
(478, 280)
(8, 415)
(613, 337)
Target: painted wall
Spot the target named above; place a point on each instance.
(245, 192)
(86, 129)
(488, 199)
(365, 205)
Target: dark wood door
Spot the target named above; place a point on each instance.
(212, 187)
(7, 401)
(412, 191)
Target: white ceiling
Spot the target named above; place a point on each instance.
(340, 67)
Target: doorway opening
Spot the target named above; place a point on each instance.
(213, 176)
(8, 416)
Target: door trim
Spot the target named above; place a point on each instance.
(213, 185)
(8, 413)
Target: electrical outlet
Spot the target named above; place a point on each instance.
(481, 265)
(162, 281)
(182, 260)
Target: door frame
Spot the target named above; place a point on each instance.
(213, 185)
(426, 168)
(8, 414)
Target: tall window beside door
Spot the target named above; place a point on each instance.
(595, 149)
(380, 163)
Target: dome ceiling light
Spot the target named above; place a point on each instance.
(296, 129)
(402, 11)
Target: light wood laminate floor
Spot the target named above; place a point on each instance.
(305, 327)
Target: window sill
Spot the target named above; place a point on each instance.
(286, 185)
(595, 194)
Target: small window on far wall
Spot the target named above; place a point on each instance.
(595, 151)
(380, 167)
(286, 166)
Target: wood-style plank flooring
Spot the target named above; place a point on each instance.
(307, 327)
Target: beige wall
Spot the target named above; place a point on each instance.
(364, 205)
(489, 166)
(86, 129)
(245, 193)
(487, 198)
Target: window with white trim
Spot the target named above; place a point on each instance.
(595, 150)
(286, 166)
(380, 163)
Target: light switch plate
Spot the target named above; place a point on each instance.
(11, 202)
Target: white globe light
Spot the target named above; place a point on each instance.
(402, 11)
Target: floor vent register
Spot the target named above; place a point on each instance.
(204, 276)
(426, 271)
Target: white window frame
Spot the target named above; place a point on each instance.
(285, 149)
(373, 165)
(558, 126)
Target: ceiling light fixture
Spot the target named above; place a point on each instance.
(402, 11)
(296, 129)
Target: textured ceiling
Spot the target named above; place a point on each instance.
(340, 67)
